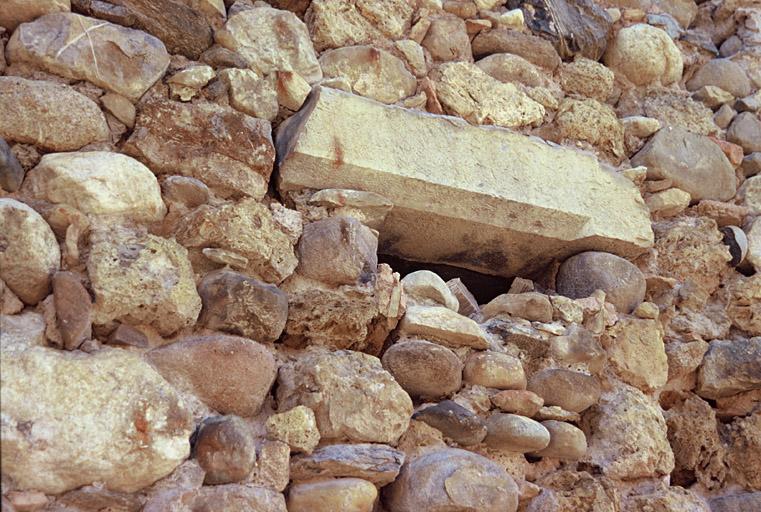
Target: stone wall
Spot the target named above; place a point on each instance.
(194, 195)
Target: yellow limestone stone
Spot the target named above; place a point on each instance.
(483, 198)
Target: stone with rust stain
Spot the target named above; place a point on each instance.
(527, 223)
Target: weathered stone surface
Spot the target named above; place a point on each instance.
(692, 162)
(376, 463)
(220, 498)
(668, 203)
(636, 352)
(518, 401)
(571, 491)
(98, 183)
(745, 130)
(337, 251)
(297, 428)
(370, 71)
(424, 369)
(743, 438)
(730, 367)
(226, 149)
(588, 78)
(228, 373)
(250, 93)
(141, 279)
(247, 229)
(494, 370)
(185, 84)
(513, 433)
(122, 60)
(29, 252)
(452, 479)
(271, 40)
(532, 48)
(364, 156)
(626, 434)
(507, 68)
(465, 90)
(736, 502)
(333, 25)
(352, 396)
(532, 306)
(645, 55)
(454, 421)
(345, 494)
(447, 39)
(52, 116)
(292, 89)
(440, 324)
(571, 390)
(11, 172)
(359, 316)
(665, 499)
(591, 121)
(21, 331)
(185, 26)
(73, 309)
(566, 441)
(55, 440)
(749, 193)
(15, 12)
(224, 447)
(425, 288)
(723, 73)
(240, 305)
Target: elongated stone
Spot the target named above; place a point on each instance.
(483, 198)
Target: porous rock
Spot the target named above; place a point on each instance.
(29, 251)
(636, 351)
(55, 440)
(119, 59)
(346, 494)
(230, 374)
(52, 116)
(296, 427)
(352, 396)
(142, 279)
(451, 479)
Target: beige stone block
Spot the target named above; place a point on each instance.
(482, 198)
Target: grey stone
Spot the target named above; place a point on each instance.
(11, 172)
(424, 369)
(376, 463)
(745, 131)
(513, 433)
(722, 73)
(454, 421)
(622, 282)
(694, 163)
(730, 367)
(573, 391)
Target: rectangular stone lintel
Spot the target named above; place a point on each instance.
(483, 198)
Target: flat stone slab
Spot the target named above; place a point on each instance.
(482, 198)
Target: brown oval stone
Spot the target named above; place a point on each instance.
(571, 390)
(224, 447)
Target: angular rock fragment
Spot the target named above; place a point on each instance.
(723, 73)
(52, 116)
(532, 306)
(424, 369)
(271, 40)
(636, 352)
(745, 130)
(297, 428)
(370, 71)
(463, 89)
(229, 151)
(442, 325)
(73, 309)
(251, 93)
(376, 463)
(345, 494)
(246, 229)
(626, 433)
(352, 396)
(98, 183)
(553, 223)
(55, 440)
(730, 367)
(224, 447)
(240, 305)
(29, 251)
(119, 59)
(452, 479)
(228, 373)
(692, 162)
(447, 39)
(141, 279)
